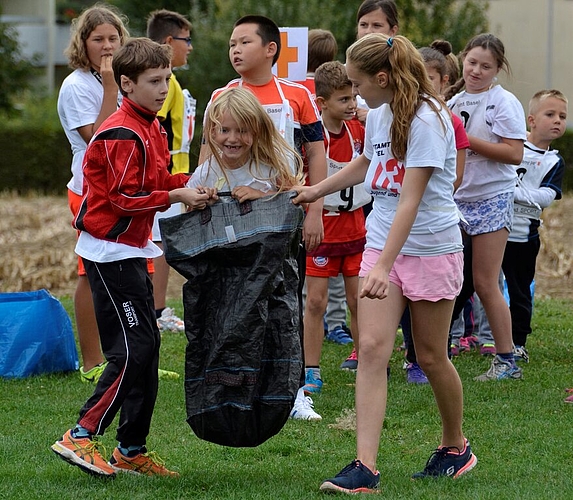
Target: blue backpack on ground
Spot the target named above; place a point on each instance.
(36, 335)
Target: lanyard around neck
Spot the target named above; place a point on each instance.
(96, 75)
(327, 137)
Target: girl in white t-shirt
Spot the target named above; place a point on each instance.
(495, 123)
(86, 98)
(247, 157)
(413, 254)
(373, 16)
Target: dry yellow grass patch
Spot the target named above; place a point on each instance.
(37, 243)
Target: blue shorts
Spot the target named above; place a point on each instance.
(487, 216)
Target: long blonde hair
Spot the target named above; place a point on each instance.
(268, 148)
(407, 76)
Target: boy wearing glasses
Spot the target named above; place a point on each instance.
(178, 118)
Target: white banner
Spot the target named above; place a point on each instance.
(294, 54)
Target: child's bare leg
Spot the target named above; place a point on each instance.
(315, 307)
(430, 327)
(377, 321)
(160, 280)
(488, 252)
(351, 288)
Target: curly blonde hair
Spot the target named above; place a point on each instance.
(82, 27)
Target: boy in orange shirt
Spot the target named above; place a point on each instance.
(254, 48)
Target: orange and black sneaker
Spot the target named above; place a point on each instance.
(83, 453)
(146, 463)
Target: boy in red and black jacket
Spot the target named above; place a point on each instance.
(125, 183)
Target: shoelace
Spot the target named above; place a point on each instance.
(439, 454)
(309, 403)
(95, 446)
(351, 466)
(352, 356)
(154, 457)
(497, 365)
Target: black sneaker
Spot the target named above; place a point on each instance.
(447, 462)
(520, 354)
(354, 478)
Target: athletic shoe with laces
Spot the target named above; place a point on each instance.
(353, 479)
(144, 463)
(339, 335)
(500, 369)
(454, 350)
(487, 349)
(351, 362)
(83, 453)
(464, 345)
(170, 322)
(92, 376)
(520, 354)
(303, 408)
(448, 461)
(312, 385)
(472, 342)
(415, 375)
(569, 399)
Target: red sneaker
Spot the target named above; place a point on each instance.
(351, 362)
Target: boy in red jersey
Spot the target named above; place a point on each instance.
(344, 226)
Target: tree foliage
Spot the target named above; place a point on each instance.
(420, 20)
(15, 70)
(455, 21)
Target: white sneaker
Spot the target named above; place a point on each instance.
(303, 408)
(500, 369)
(169, 322)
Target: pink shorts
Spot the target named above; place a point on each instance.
(422, 278)
(325, 267)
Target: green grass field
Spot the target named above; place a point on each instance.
(519, 430)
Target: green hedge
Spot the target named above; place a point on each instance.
(38, 159)
(565, 147)
(34, 159)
